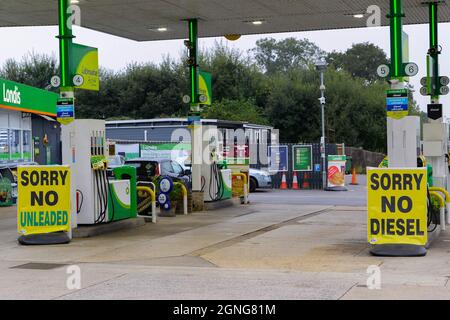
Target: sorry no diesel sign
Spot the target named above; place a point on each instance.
(43, 199)
(397, 206)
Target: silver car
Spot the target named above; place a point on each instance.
(259, 179)
(115, 161)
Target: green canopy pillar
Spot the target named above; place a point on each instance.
(434, 52)
(193, 65)
(396, 26)
(65, 42)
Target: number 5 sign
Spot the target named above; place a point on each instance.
(383, 71)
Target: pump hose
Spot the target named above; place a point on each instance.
(430, 213)
(102, 190)
(80, 204)
(215, 173)
(99, 198)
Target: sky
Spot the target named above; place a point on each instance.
(115, 53)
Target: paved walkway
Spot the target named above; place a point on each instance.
(261, 251)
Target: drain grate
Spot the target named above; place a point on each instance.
(39, 266)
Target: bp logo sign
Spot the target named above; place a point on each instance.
(397, 206)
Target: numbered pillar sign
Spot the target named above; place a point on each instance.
(383, 71)
(411, 69)
(397, 206)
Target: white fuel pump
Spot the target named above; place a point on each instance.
(216, 181)
(85, 150)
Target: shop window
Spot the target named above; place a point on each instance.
(27, 145)
(4, 145)
(16, 152)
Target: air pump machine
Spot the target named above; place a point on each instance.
(98, 198)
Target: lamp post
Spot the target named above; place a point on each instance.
(321, 66)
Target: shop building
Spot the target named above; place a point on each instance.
(28, 130)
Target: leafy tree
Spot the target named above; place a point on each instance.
(276, 84)
(234, 76)
(356, 112)
(283, 55)
(34, 70)
(236, 110)
(361, 60)
(292, 105)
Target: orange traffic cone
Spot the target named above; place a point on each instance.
(305, 181)
(295, 182)
(354, 178)
(283, 182)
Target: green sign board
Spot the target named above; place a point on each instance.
(84, 67)
(205, 87)
(337, 158)
(180, 152)
(20, 97)
(302, 158)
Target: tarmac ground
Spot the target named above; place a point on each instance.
(284, 245)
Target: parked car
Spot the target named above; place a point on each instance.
(115, 161)
(10, 172)
(259, 179)
(148, 169)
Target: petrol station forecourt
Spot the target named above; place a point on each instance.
(272, 244)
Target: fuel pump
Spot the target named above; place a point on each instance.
(97, 199)
(216, 178)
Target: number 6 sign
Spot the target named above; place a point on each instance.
(411, 69)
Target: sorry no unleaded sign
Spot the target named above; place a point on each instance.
(43, 199)
(397, 206)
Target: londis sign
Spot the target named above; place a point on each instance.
(20, 97)
(11, 95)
(43, 199)
(397, 206)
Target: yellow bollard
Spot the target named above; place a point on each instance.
(185, 198)
(441, 208)
(447, 200)
(153, 200)
(244, 177)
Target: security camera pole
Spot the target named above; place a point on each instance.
(321, 66)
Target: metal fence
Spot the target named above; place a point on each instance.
(306, 180)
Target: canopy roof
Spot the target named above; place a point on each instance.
(140, 19)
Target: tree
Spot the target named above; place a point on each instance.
(34, 70)
(140, 91)
(276, 85)
(236, 110)
(292, 105)
(280, 56)
(355, 111)
(361, 60)
(234, 76)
